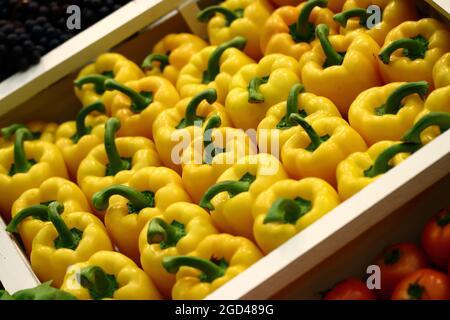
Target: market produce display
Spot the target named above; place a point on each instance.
(30, 29)
(408, 271)
(181, 171)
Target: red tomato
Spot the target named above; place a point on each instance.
(396, 262)
(423, 284)
(436, 239)
(350, 289)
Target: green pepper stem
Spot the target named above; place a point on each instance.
(159, 231)
(99, 284)
(80, 121)
(136, 198)
(208, 268)
(115, 161)
(67, 239)
(441, 119)
(303, 18)
(415, 47)
(234, 187)
(382, 165)
(206, 14)
(38, 211)
(96, 79)
(254, 95)
(141, 102)
(333, 57)
(9, 131)
(212, 123)
(394, 102)
(283, 210)
(292, 101)
(163, 60)
(210, 95)
(214, 59)
(316, 140)
(21, 163)
(342, 18)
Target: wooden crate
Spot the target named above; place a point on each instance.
(391, 209)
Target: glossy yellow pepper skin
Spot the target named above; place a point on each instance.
(25, 165)
(275, 129)
(231, 199)
(290, 30)
(326, 73)
(257, 87)
(317, 150)
(289, 206)
(175, 128)
(234, 18)
(437, 101)
(208, 156)
(177, 231)
(232, 256)
(124, 279)
(441, 72)
(213, 68)
(114, 161)
(171, 54)
(139, 102)
(394, 12)
(52, 189)
(427, 40)
(386, 113)
(148, 192)
(69, 239)
(75, 139)
(353, 172)
(44, 131)
(90, 89)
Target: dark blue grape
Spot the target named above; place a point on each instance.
(16, 51)
(11, 39)
(37, 31)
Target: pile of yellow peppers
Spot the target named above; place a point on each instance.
(319, 102)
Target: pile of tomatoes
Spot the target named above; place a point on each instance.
(408, 271)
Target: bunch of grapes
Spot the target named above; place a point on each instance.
(31, 28)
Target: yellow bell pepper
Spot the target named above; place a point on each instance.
(276, 128)
(25, 210)
(289, 206)
(69, 239)
(386, 113)
(25, 166)
(175, 128)
(394, 12)
(208, 156)
(317, 150)
(340, 67)
(234, 18)
(75, 139)
(89, 85)
(422, 42)
(171, 54)
(114, 161)
(212, 68)
(109, 275)
(148, 192)
(217, 259)
(231, 199)
(139, 103)
(362, 168)
(177, 231)
(41, 131)
(437, 101)
(441, 72)
(437, 120)
(257, 87)
(290, 30)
